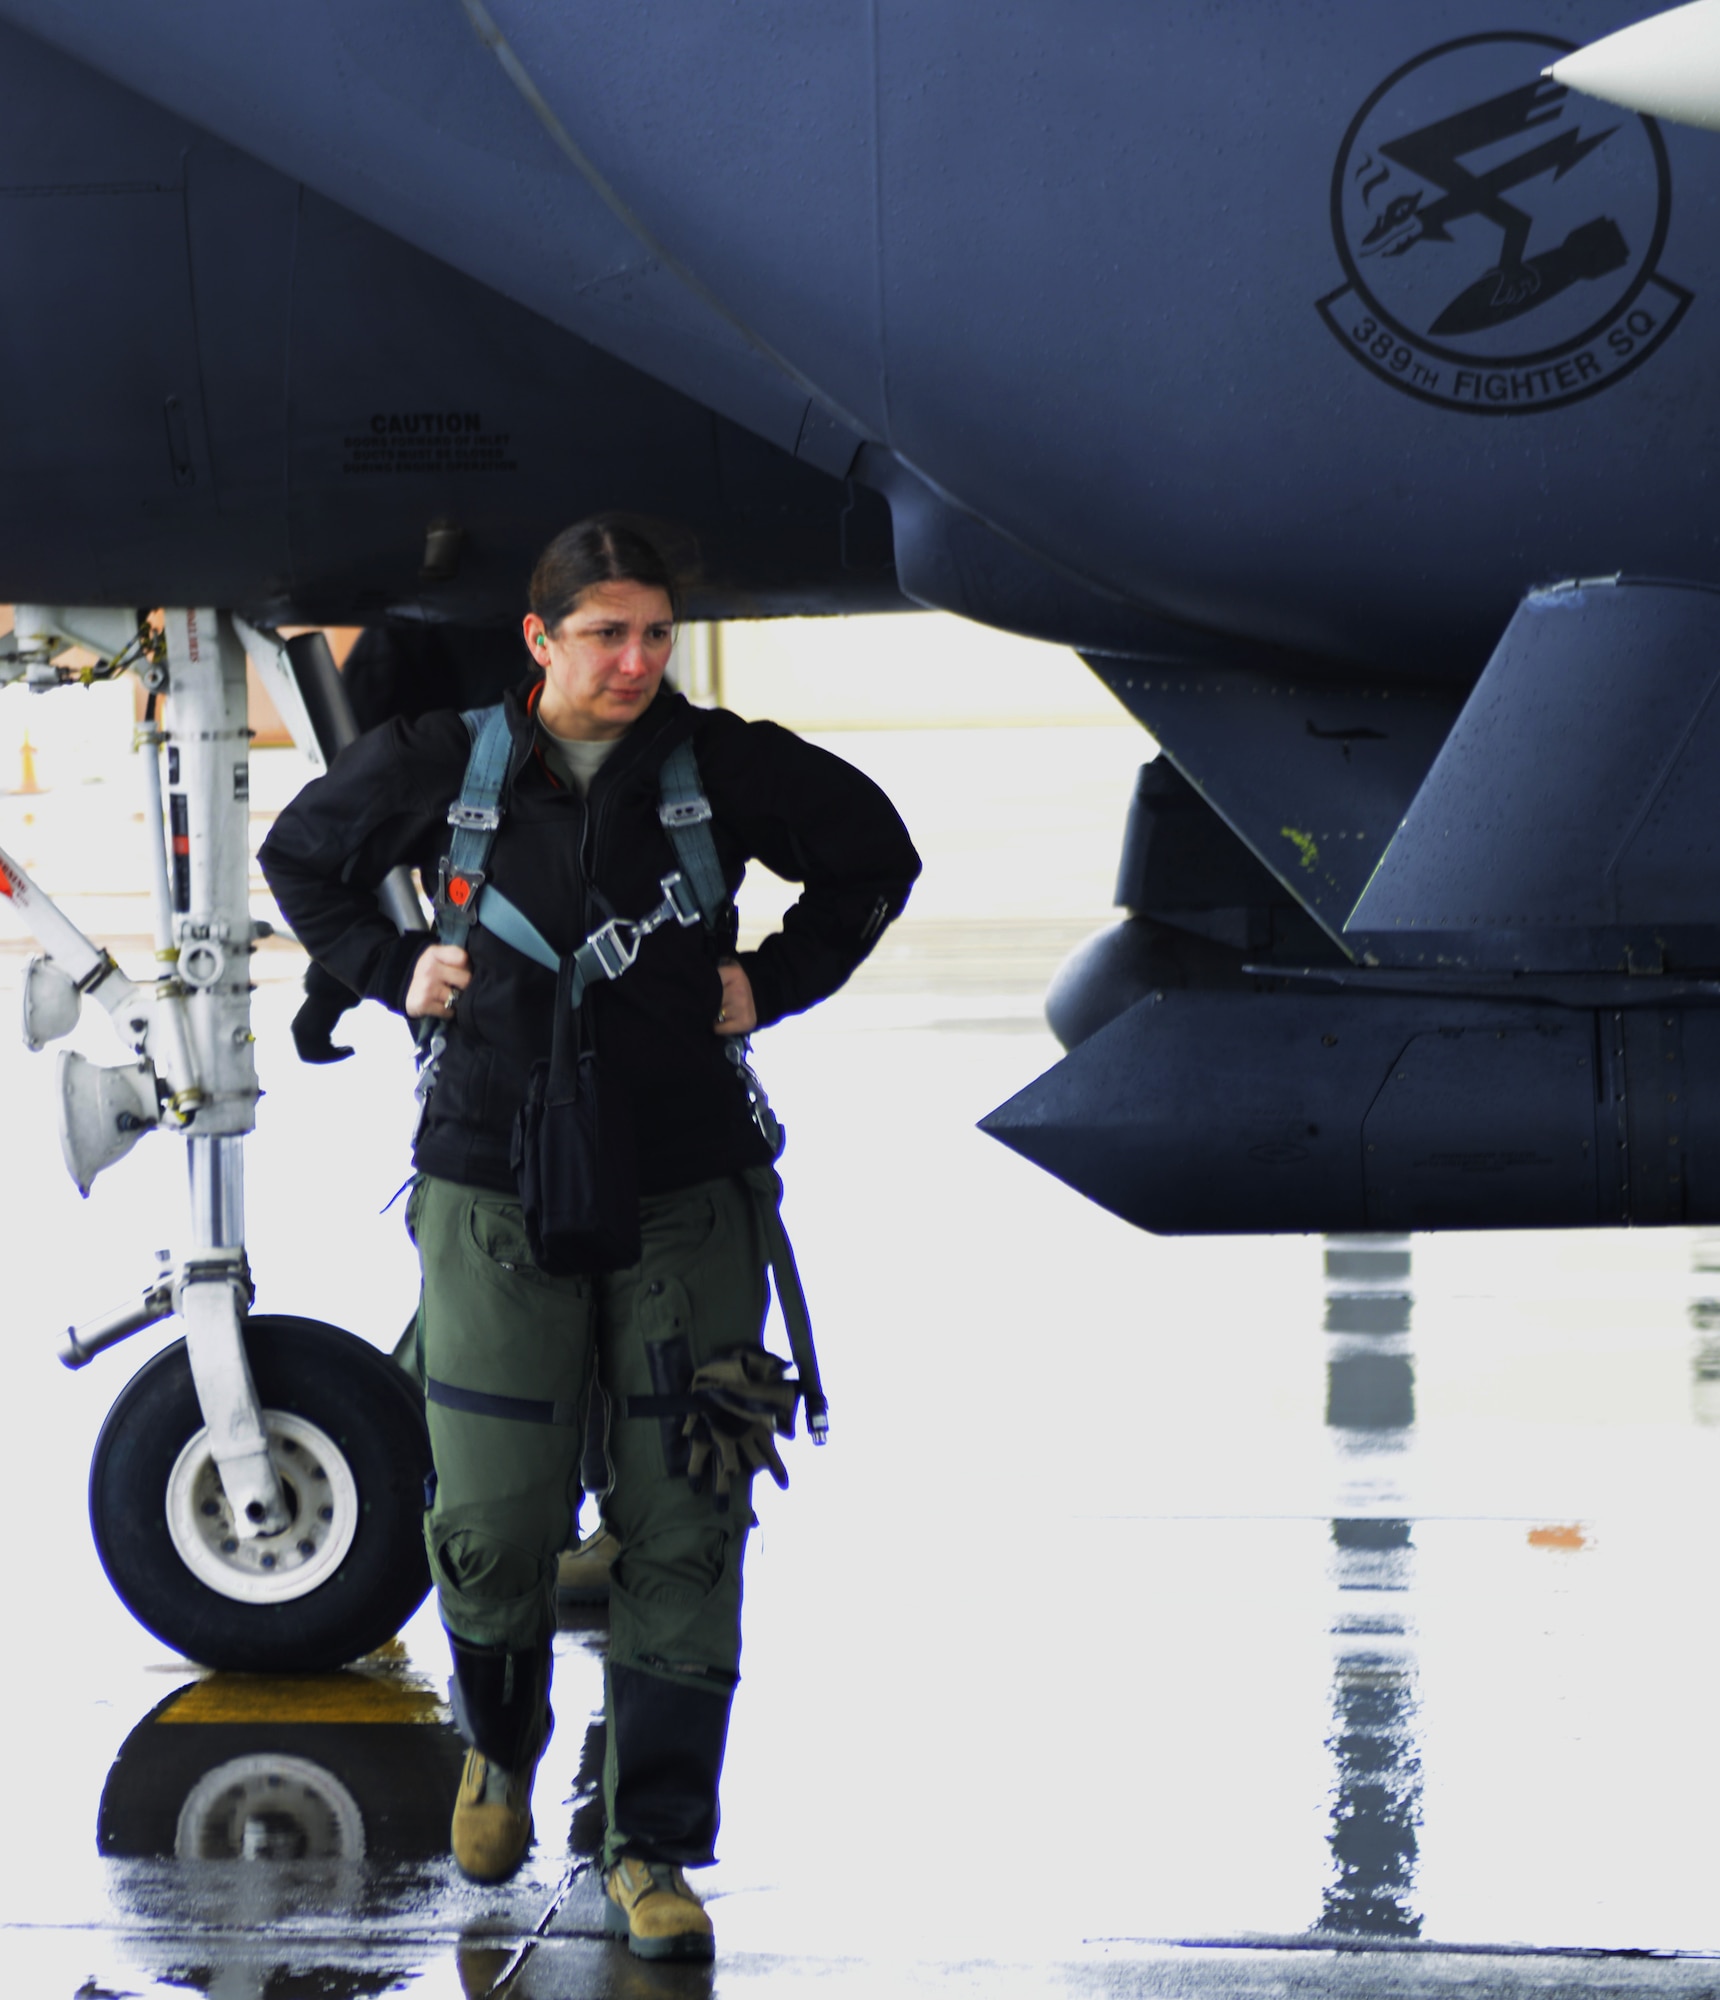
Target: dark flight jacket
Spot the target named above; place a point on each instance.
(570, 863)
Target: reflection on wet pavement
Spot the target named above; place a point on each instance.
(1370, 1409)
(1705, 1324)
(241, 1809)
(247, 1824)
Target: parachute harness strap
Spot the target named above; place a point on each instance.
(475, 815)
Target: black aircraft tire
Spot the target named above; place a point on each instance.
(320, 1388)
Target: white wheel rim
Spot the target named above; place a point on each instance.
(266, 1569)
(269, 1808)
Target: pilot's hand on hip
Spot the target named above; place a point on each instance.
(737, 1015)
(442, 974)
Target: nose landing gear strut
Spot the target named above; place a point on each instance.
(256, 1491)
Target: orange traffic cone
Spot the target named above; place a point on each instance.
(29, 785)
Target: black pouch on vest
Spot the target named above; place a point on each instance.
(573, 1154)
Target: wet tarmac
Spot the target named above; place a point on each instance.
(1255, 1617)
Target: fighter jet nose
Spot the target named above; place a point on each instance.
(1666, 67)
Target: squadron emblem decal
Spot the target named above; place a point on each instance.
(1499, 235)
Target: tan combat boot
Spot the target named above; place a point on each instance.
(649, 1904)
(492, 1819)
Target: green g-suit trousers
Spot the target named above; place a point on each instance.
(510, 1358)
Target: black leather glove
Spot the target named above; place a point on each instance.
(326, 1000)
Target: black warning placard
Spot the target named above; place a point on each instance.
(426, 443)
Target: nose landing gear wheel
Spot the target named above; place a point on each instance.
(266, 1569)
(347, 1433)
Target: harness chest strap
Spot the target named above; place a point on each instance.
(609, 950)
(695, 893)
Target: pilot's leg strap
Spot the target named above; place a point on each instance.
(695, 1399)
(516, 1409)
(766, 1186)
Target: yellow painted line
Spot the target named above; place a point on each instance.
(348, 1697)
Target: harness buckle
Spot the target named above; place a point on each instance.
(737, 1048)
(613, 952)
(474, 819)
(684, 812)
(457, 889)
(429, 1062)
(678, 895)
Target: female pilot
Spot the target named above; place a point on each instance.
(511, 1352)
